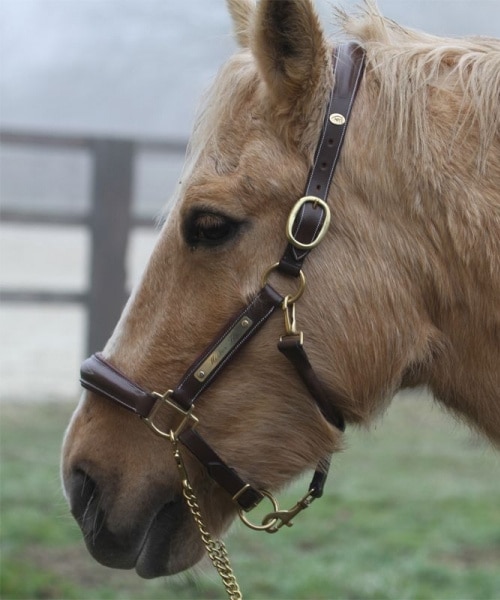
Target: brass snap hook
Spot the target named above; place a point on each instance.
(290, 320)
(278, 518)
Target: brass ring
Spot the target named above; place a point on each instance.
(291, 299)
(291, 221)
(270, 524)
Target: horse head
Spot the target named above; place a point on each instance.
(375, 309)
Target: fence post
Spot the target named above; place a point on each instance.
(110, 222)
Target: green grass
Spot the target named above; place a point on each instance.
(412, 511)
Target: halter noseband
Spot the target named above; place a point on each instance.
(306, 227)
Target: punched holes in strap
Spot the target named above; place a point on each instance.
(310, 219)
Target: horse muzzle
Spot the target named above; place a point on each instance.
(143, 525)
(151, 543)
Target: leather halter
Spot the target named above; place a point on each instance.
(307, 225)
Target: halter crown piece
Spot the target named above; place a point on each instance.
(307, 225)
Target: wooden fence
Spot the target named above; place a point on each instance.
(109, 219)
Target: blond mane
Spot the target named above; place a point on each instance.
(410, 65)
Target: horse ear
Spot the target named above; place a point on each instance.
(242, 12)
(290, 48)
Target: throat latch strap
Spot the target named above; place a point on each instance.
(292, 347)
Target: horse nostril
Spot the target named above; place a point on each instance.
(111, 538)
(84, 498)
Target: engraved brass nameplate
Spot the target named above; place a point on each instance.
(228, 342)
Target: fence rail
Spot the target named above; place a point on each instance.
(109, 219)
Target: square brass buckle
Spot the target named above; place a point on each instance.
(188, 418)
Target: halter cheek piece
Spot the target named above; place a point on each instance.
(306, 227)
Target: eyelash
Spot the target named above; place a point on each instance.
(209, 229)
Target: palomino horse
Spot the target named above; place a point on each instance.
(402, 290)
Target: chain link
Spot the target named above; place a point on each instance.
(216, 549)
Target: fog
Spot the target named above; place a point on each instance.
(125, 68)
(139, 67)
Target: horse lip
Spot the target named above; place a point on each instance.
(115, 551)
(165, 550)
(110, 548)
(145, 547)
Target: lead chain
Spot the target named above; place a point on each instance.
(216, 549)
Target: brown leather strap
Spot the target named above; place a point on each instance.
(292, 347)
(246, 496)
(225, 345)
(348, 69)
(101, 377)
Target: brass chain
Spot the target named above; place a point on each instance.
(216, 549)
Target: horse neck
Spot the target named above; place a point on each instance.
(439, 228)
(460, 271)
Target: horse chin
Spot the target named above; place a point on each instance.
(168, 545)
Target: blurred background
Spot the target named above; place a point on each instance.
(90, 89)
(74, 75)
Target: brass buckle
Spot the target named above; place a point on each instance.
(188, 418)
(293, 215)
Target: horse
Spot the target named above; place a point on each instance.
(402, 291)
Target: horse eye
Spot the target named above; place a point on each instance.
(209, 229)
